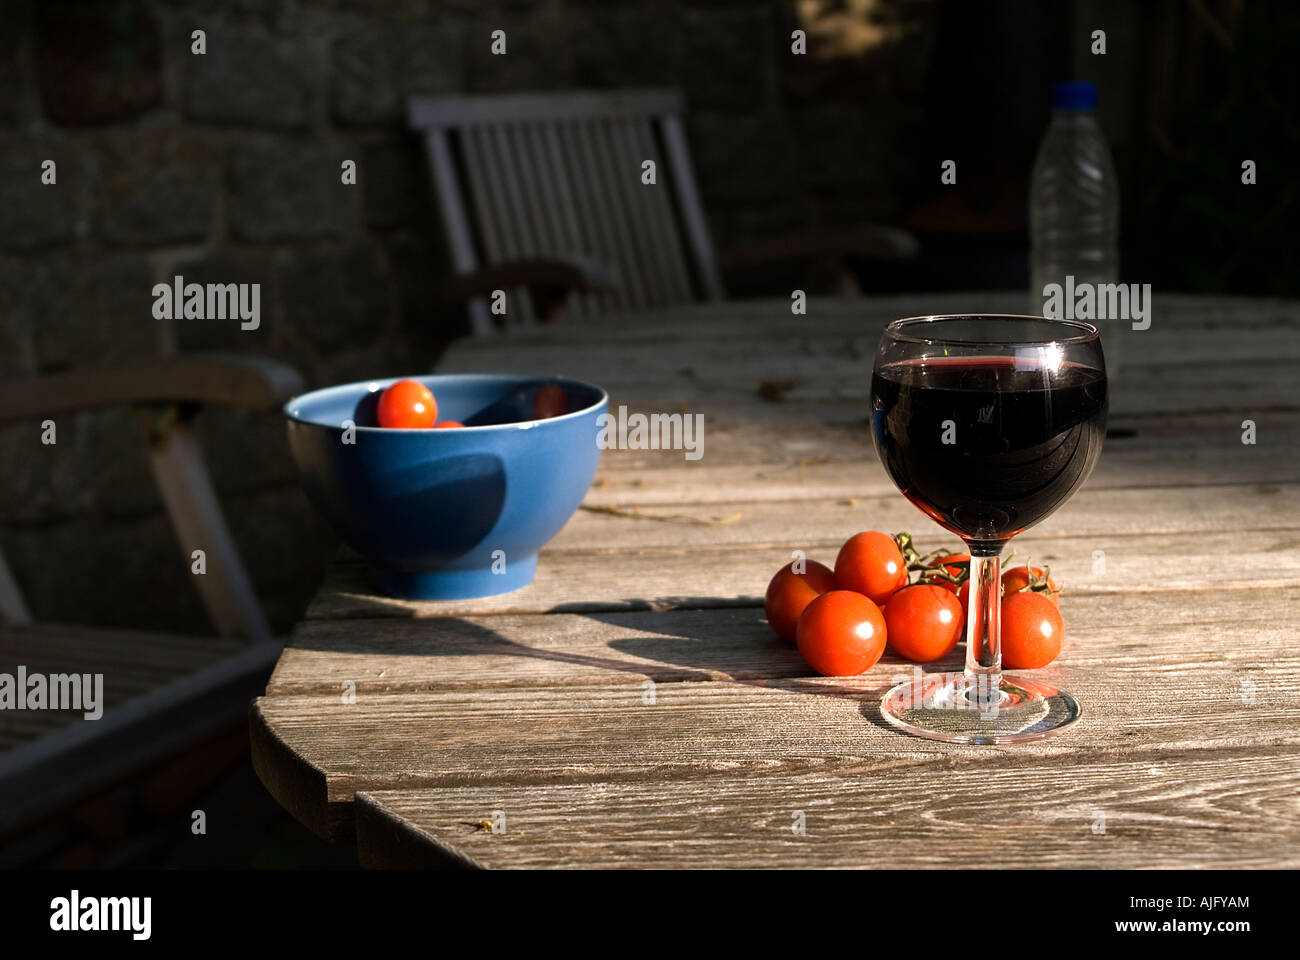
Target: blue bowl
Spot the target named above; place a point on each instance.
(455, 513)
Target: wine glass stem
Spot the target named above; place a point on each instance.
(983, 628)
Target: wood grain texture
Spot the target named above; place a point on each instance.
(841, 462)
(1196, 357)
(1184, 650)
(702, 577)
(133, 665)
(793, 523)
(1156, 810)
(564, 697)
(65, 758)
(742, 432)
(1250, 385)
(482, 654)
(1135, 704)
(806, 351)
(1188, 329)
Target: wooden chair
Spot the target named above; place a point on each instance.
(541, 195)
(160, 692)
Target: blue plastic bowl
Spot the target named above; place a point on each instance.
(455, 513)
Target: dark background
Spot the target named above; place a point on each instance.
(225, 167)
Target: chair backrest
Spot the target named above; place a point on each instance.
(526, 176)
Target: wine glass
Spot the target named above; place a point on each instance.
(987, 423)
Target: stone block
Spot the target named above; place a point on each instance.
(288, 190)
(376, 68)
(250, 78)
(126, 573)
(97, 62)
(540, 50)
(20, 284)
(337, 299)
(36, 215)
(157, 186)
(95, 311)
(393, 178)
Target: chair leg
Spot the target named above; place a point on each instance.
(200, 525)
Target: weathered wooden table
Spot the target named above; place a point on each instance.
(631, 708)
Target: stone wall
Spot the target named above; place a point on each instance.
(225, 167)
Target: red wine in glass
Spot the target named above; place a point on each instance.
(987, 424)
(1021, 438)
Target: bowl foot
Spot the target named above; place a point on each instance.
(457, 584)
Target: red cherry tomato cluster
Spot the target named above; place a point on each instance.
(409, 405)
(843, 619)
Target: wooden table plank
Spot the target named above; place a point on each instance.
(534, 650)
(793, 523)
(316, 752)
(1174, 315)
(1113, 813)
(803, 347)
(1255, 386)
(445, 702)
(1226, 461)
(821, 357)
(749, 433)
(700, 577)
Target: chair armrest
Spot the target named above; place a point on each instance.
(218, 379)
(870, 241)
(564, 273)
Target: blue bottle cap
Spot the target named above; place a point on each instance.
(1074, 96)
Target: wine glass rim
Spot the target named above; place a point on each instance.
(1087, 332)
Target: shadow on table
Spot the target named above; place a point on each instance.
(770, 663)
(685, 648)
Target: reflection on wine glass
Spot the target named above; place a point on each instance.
(987, 423)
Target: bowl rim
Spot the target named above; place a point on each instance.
(374, 385)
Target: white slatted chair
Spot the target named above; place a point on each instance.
(541, 195)
(161, 692)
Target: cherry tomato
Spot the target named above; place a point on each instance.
(923, 622)
(448, 425)
(871, 564)
(406, 405)
(1032, 631)
(549, 401)
(1017, 578)
(841, 633)
(789, 593)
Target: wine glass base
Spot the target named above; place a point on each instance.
(948, 707)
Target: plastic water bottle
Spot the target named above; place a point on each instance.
(1074, 208)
